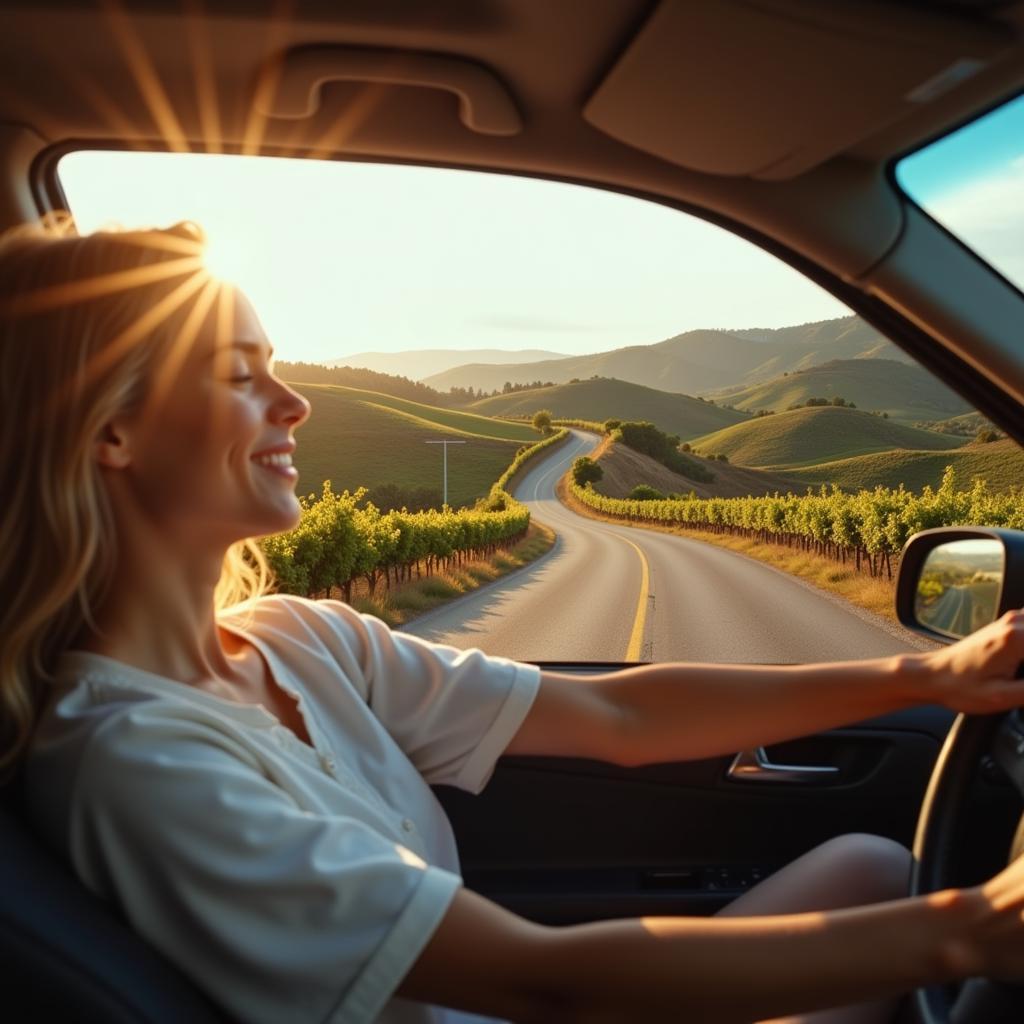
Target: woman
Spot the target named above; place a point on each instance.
(248, 780)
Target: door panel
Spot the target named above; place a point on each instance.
(563, 840)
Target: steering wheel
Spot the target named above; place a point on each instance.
(973, 737)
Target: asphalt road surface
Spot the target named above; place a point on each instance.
(617, 593)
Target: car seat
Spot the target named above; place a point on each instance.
(66, 955)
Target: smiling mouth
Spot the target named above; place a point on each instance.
(277, 462)
(273, 459)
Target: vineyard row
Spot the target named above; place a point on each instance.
(866, 530)
(341, 538)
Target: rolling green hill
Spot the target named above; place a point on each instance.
(806, 437)
(966, 425)
(362, 438)
(904, 391)
(1000, 464)
(604, 399)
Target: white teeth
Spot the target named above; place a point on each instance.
(275, 459)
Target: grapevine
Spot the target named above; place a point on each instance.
(866, 530)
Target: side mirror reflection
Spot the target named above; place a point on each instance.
(959, 586)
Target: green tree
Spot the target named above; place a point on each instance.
(586, 471)
(542, 421)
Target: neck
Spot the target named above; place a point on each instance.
(160, 613)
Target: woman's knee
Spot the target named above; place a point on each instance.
(873, 867)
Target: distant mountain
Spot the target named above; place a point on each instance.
(604, 399)
(805, 437)
(694, 362)
(358, 377)
(420, 363)
(904, 390)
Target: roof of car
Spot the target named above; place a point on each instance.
(777, 117)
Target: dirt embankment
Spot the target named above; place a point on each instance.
(625, 468)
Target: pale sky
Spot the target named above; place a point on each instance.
(346, 257)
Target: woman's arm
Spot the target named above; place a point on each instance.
(486, 960)
(675, 712)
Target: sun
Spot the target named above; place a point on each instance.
(229, 258)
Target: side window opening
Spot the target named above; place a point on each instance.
(444, 325)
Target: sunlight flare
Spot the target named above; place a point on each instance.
(269, 78)
(145, 324)
(197, 31)
(225, 331)
(146, 78)
(72, 292)
(347, 122)
(167, 373)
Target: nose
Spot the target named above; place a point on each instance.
(289, 406)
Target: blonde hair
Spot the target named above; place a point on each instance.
(78, 346)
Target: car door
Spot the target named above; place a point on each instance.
(561, 840)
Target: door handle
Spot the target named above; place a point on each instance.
(755, 766)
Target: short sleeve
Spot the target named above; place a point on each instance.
(452, 712)
(279, 913)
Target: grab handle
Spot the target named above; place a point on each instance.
(755, 766)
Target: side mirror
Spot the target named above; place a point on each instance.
(954, 580)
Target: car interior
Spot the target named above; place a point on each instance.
(779, 120)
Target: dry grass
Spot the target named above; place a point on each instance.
(875, 595)
(403, 603)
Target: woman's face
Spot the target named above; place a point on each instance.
(210, 453)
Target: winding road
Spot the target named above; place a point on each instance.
(616, 593)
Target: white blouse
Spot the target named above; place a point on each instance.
(292, 883)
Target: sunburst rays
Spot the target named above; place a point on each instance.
(147, 80)
(167, 114)
(69, 293)
(347, 123)
(166, 374)
(175, 125)
(205, 81)
(268, 79)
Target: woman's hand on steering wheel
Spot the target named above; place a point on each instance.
(978, 675)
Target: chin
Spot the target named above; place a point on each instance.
(279, 520)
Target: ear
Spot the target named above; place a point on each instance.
(112, 448)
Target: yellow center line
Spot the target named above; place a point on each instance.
(636, 638)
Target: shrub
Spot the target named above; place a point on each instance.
(722, 457)
(985, 436)
(610, 425)
(645, 437)
(644, 492)
(586, 471)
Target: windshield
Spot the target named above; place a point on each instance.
(510, 378)
(972, 182)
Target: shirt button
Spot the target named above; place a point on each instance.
(408, 825)
(329, 763)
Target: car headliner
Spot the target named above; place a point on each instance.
(778, 116)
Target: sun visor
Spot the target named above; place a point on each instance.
(770, 88)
